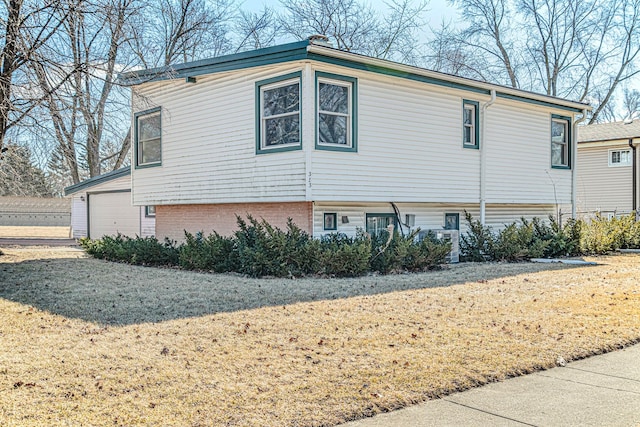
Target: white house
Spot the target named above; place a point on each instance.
(609, 168)
(339, 141)
(102, 206)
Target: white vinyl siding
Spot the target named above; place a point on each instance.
(408, 135)
(428, 216)
(518, 158)
(79, 216)
(602, 188)
(619, 158)
(209, 145)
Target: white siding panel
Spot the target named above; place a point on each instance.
(409, 148)
(428, 216)
(208, 144)
(600, 187)
(147, 224)
(79, 216)
(518, 150)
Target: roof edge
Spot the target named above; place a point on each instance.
(100, 179)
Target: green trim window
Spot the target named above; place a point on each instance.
(451, 221)
(470, 124)
(150, 211)
(379, 222)
(330, 221)
(336, 107)
(148, 138)
(278, 114)
(560, 142)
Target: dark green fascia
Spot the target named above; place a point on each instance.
(259, 149)
(266, 56)
(394, 73)
(476, 129)
(538, 102)
(135, 138)
(569, 141)
(354, 112)
(100, 179)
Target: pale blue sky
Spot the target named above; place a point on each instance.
(437, 9)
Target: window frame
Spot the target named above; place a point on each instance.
(138, 146)
(566, 121)
(351, 83)
(455, 215)
(273, 83)
(148, 213)
(381, 215)
(619, 164)
(475, 127)
(333, 215)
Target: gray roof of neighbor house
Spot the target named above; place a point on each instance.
(320, 51)
(609, 131)
(105, 177)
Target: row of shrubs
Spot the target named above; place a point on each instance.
(258, 249)
(536, 239)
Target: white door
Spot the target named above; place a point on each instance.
(112, 213)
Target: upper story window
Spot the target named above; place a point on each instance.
(560, 142)
(148, 138)
(470, 124)
(336, 125)
(278, 114)
(619, 158)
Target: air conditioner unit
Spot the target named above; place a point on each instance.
(452, 236)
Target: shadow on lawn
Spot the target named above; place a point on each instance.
(120, 294)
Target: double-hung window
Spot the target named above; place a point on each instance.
(619, 158)
(470, 127)
(560, 142)
(336, 99)
(148, 138)
(278, 114)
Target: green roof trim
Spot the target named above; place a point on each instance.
(100, 179)
(306, 50)
(254, 58)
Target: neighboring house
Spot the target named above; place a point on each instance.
(339, 141)
(608, 168)
(102, 206)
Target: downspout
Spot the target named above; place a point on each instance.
(574, 168)
(634, 175)
(483, 158)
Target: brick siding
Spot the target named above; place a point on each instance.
(172, 220)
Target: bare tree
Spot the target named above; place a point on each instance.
(173, 31)
(27, 27)
(257, 29)
(490, 31)
(91, 42)
(397, 35)
(351, 25)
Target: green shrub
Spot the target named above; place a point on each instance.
(343, 256)
(406, 253)
(476, 245)
(212, 253)
(598, 236)
(138, 250)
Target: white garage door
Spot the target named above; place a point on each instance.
(112, 213)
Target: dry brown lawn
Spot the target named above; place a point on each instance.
(29, 231)
(87, 342)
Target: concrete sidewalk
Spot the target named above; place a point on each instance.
(599, 391)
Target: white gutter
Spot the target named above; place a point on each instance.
(483, 157)
(574, 168)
